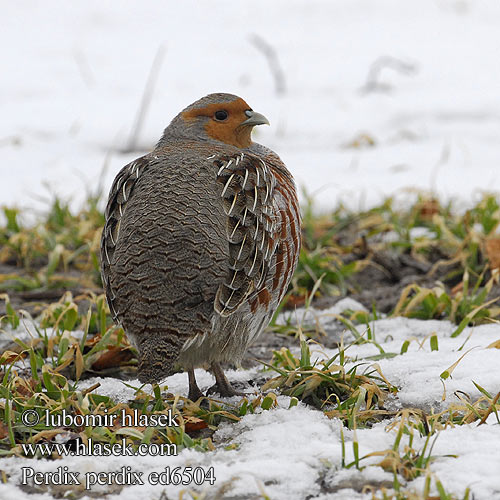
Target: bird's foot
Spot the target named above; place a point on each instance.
(222, 385)
(226, 391)
(194, 395)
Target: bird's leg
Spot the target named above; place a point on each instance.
(222, 385)
(194, 390)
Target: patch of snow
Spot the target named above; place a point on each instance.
(415, 234)
(326, 317)
(119, 391)
(28, 330)
(72, 85)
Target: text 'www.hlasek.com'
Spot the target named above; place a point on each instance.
(125, 475)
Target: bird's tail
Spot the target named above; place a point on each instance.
(157, 359)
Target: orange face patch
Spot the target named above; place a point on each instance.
(229, 131)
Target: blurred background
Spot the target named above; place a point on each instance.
(366, 98)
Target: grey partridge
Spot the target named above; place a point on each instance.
(201, 239)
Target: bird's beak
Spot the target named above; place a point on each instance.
(255, 118)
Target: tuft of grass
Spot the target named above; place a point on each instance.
(51, 392)
(404, 460)
(72, 342)
(58, 243)
(455, 247)
(464, 306)
(329, 383)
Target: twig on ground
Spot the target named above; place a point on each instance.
(84, 68)
(373, 83)
(271, 56)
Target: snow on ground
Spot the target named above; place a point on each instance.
(287, 452)
(420, 367)
(72, 79)
(74, 73)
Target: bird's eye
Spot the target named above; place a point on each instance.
(221, 115)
